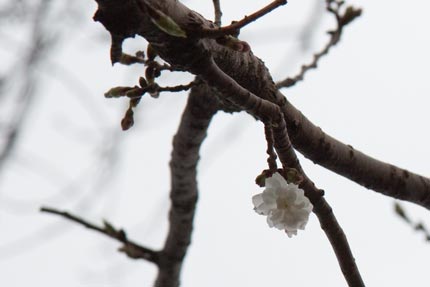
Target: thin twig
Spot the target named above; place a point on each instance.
(178, 88)
(341, 21)
(236, 26)
(322, 209)
(28, 89)
(154, 89)
(271, 160)
(218, 12)
(417, 226)
(338, 242)
(133, 250)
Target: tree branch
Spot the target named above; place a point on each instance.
(236, 26)
(133, 250)
(185, 155)
(341, 21)
(417, 226)
(344, 160)
(324, 212)
(218, 12)
(322, 209)
(28, 81)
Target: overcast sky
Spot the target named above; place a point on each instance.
(372, 91)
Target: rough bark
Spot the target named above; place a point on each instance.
(185, 156)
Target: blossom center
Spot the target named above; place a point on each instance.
(282, 203)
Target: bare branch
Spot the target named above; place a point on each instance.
(138, 92)
(321, 208)
(341, 20)
(185, 155)
(218, 12)
(174, 89)
(236, 26)
(271, 160)
(418, 226)
(133, 250)
(324, 212)
(344, 160)
(28, 79)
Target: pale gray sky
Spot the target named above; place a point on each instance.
(371, 92)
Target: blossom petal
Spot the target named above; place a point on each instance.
(269, 197)
(274, 181)
(257, 199)
(290, 233)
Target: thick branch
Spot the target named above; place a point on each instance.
(343, 159)
(186, 145)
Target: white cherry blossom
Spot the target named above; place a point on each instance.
(285, 205)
